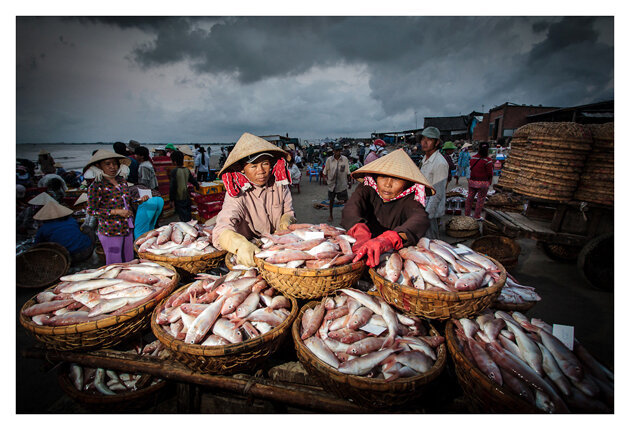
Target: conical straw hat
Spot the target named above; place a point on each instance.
(103, 154)
(52, 210)
(397, 164)
(41, 199)
(43, 152)
(82, 199)
(248, 145)
(185, 149)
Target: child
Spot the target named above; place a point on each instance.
(180, 176)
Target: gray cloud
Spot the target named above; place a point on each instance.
(211, 78)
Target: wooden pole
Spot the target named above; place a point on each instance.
(282, 392)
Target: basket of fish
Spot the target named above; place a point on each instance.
(507, 363)
(309, 261)
(438, 281)
(224, 325)
(516, 297)
(98, 308)
(185, 245)
(106, 391)
(358, 347)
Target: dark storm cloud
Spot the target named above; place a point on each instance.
(253, 49)
(213, 77)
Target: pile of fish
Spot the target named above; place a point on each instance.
(109, 382)
(178, 239)
(308, 245)
(437, 265)
(95, 294)
(223, 310)
(362, 335)
(525, 357)
(515, 293)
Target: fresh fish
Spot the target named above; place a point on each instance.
(359, 318)
(529, 350)
(267, 315)
(314, 322)
(510, 363)
(393, 267)
(391, 320)
(107, 306)
(364, 299)
(76, 376)
(345, 335)
(201, 325)
(165, 235)
(363, 365)
(432, 278)
(214, 340)
(485, 363)
(415, 360)
(99, 382)
(365, 346)
(46, 307)
(228, 330)
(84, 276)
(92, 284)
(187, 229)
(417, 344)
(248, 305)
(470, 281)
(321, 351)
(137, 291)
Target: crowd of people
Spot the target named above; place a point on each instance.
(400, 195)
(121, 195)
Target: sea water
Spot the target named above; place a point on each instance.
(73, 156)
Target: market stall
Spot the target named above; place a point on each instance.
(238, 333)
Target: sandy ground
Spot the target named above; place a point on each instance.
(567, 299)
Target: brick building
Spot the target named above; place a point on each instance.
(502, 121)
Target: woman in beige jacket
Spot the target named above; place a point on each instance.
(257, 199)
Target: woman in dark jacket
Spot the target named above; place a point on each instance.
(387, 211)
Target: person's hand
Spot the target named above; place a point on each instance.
(125, 213)
(144, 198)
(373, 248)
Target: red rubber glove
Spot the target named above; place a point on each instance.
(373, 248)
(361, 233)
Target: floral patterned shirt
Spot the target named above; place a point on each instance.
(103, 197)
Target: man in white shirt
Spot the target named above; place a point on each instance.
(337, 172)
(435, 169)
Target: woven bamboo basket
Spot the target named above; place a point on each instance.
(187, 267)
(129, 401)
(439, 305)
(103, 333)
(462, 233)
(310, 283)
(501, 248)
(39, 267)
(225, 359)
(374, 393)
(486, 396)
(513, 307)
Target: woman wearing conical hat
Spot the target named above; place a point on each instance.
(386, 211)
(257, 199)
(58, 226)
(110, 203)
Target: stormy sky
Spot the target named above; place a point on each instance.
(196, 79)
